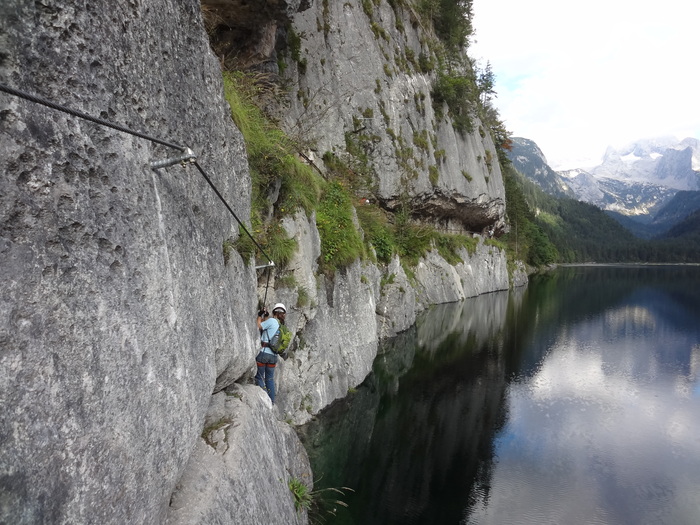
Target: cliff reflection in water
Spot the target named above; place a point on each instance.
(573, 401)
(602, 422)
(411, 439)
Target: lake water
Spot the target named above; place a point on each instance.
(573, 401)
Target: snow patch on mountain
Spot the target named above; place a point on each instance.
(637, 184)
(635, 180)
(630, 158)
(663, 161)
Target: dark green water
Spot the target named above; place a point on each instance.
(575, 400)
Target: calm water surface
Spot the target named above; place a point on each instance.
(573, 401)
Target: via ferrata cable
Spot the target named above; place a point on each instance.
(189, 156)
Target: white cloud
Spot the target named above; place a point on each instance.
(589, 435)
(577, 78)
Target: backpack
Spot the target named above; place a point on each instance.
(280, 341)
(275, 342)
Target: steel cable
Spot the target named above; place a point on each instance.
(102, 122)
(96, 120)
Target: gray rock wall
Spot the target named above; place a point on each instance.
(118, 316)
(353, 80)
(338, 330)
(240, 468)
(117, 313)
(339, 344)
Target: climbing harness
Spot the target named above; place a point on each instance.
(186, 157)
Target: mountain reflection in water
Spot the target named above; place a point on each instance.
(576, 400)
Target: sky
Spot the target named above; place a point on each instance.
(577, 77)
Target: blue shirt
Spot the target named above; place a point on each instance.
(269, 327)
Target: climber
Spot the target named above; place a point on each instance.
(266, 360)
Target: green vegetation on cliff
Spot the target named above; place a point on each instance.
(275, 166)
(452, 21)
(341, 193)
(341, 243)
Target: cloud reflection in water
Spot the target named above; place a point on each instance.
(605, 430)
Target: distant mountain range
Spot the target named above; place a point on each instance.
(650, 186)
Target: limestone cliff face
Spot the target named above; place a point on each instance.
(126, 339)
(239, 472)
(356, 91)
(246, 32)
(356, 78)
(340, 326)
(117, 311)
(353, 75)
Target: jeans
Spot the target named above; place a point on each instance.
(265, 377)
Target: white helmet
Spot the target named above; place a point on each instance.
(279, 306)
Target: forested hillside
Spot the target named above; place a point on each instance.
(546, 229)
(687, 232)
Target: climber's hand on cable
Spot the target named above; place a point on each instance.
(263, 313)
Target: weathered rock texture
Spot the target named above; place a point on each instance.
(240, 467)
(342, 320)
(353, 84)
(244, 33)
(356, 79)
(119, 317)
(117, 312)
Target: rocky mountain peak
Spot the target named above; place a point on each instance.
(530, 145)
(529, 160)
(639, 181)
(663, 161)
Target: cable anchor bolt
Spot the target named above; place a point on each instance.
(187, 156)
(271, 264)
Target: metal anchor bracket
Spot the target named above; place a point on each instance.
(187, 156)
(271, 264)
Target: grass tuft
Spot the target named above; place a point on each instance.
(340, 241)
